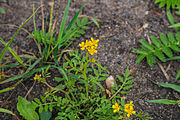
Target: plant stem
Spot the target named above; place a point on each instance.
(118, 91)
(58, 90)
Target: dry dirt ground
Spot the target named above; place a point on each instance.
(121, 26)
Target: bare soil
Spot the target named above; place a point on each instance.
(121, 26)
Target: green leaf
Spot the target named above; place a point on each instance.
(2, 11)
(173, 58)
(97, 83)
(164, 101)
(174, 25)
(155, 41)
(95, 21)
(45, 115)
(149, 60)
(140, 51)
(120, 78)
(27, 109)
(160, 55)
(164, 39)
(127, 87)
(175, 48)
(168, 85)
(170, 17)
(7, 111)
(167, 51)
(146, 45)
(140, 58)
(178, 75)
(123, 92)
(171, 37)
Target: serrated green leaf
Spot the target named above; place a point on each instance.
(129, 82)
(178, 75)
(40, 108)
(45, 115)
(164, 101)
(168, 85)
(27, 109)
(174, 25)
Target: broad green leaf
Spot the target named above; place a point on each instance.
(178, 75)
(168, 85)
(27, 109)
(164, 101)
(45, 115)
(146, 45)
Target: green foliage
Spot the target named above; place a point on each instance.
(178, 75)
(143, 116)
(27, 109)
(162, 49)
(125, 85)
(2, 11)
(166, 101)
(168, 3)
(9, 112)
(172, 21)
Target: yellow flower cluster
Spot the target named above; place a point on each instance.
(116, 107)
(129, 109)
(91, 46)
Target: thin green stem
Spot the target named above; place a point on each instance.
(34, 20)
(58, 90)
(117, 91)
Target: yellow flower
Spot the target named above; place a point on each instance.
(37, 77)
(91, 50)
(82, 45)
(120, 117)
(129, 109)
(116, 107)
(95, 42)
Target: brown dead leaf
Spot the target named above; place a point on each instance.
(108, 92)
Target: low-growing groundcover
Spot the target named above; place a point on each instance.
(136, 101)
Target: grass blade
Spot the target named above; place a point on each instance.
(9, 112)
(13, 53)
(168, 85)
(164, 101)
(7, 46)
